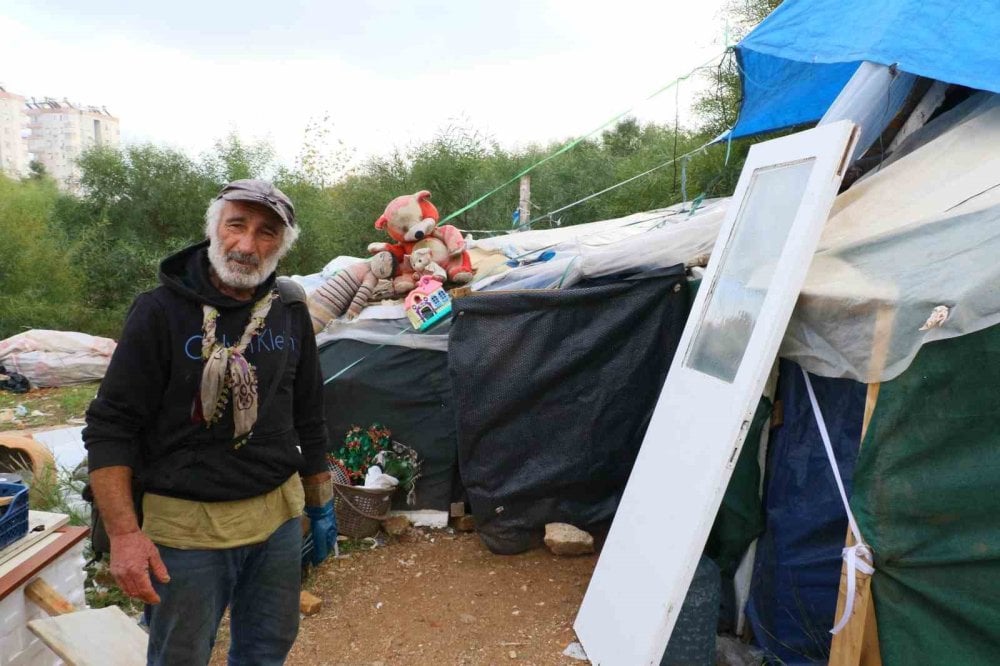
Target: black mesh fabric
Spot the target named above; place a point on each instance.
(406, 390)
(553, 393)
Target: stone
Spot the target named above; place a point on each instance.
(464, 524)
(564, 539)
(396, 525)
(465, 618)
(575, 651)
(731, 651)
(309, 604)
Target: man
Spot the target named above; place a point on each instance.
(213, 403)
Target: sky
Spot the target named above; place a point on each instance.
(386, 74)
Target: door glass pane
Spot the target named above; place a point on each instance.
(748, 262)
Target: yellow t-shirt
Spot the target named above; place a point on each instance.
(191, 525)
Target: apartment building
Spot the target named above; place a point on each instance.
(14, 158)
(61, 132)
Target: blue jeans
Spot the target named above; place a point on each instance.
(259, 583)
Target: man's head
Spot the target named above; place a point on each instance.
(250, 226)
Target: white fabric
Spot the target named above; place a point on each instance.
(56, 358)
(921, 233)
(859, 556)
(630, 244)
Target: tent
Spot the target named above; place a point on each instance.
(901, 294)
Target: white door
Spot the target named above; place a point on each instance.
(708, 400)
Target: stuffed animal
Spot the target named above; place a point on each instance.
(411, 221)
(349, 290)
(423, 264)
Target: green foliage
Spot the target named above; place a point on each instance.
(59, 491)
(40, 289)
(233, 159)
(37, 170)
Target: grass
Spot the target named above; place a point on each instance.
(46, 406)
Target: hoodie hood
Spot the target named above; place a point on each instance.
(187, 273)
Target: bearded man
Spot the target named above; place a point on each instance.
(212, 404)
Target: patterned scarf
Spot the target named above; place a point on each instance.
(227, 373)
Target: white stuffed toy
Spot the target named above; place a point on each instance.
(422, 262)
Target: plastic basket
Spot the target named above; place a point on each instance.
(360, 511)
(14, 516)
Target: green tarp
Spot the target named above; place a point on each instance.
(927, 499)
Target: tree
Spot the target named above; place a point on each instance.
(235, 159)
(323, 160)
(37, 170)
(718, 107)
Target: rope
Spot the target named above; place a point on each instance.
(574, 142)
(624, 182)
(859, 556)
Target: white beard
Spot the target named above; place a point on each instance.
(235, 274)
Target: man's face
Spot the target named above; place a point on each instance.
(246, 244)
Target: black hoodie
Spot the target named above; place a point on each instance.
(145, 414)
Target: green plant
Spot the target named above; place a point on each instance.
(59, 490)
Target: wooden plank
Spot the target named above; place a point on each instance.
(857, 643)
(48, 598)
(40, 525)
(101, 637)
(27, 564)
(921, 114)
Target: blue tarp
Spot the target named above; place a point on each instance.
(795, 63)
(793, 593)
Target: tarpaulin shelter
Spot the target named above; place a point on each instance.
(918, 232)
(795, 63)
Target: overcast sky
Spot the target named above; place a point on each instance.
(186, 72)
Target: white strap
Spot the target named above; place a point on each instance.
(859, 556)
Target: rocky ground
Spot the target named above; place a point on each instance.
(439, 597)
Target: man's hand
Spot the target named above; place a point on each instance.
(322, 518)
(132, 557)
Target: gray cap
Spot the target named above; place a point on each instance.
(261, 192)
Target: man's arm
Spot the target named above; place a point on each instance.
(310, 422)
(132, 553)
(127, 401)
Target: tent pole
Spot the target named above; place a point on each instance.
(857, 643)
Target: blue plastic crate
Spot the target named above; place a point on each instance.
(14, 520)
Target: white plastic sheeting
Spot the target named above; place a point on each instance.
(638, 242)
(922, 232)
(56, 358)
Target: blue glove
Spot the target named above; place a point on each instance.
(323, 524)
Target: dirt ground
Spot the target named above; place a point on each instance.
(434, 597)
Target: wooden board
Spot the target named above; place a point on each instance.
(857, 643)
(27, 564)
(49, 523)
(47, 597)
(101, 637)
